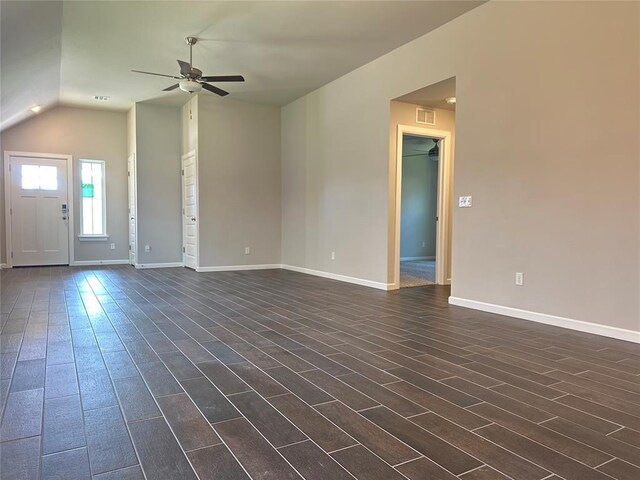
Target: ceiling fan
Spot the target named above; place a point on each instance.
(191, 79)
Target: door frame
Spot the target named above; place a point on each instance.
(444, 194)
(133, 174)
(7, 198)
(197, 195)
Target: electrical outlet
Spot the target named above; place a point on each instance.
(519, 278)
(247, 250)
(333, 255)
(112, 246)
(464, 202)
(424, 244)
(147, 248)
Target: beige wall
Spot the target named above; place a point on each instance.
(84, 134)
(239, 182)
(333, 199)
(294, 140)
(547, 126)
(190, 125)
(131, 131)
(3, 250)
(159, 197)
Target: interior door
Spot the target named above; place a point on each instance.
(39, 211)
(189, 210)
(132, 208)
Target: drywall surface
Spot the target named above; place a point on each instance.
(190, 125)
(84, 134)
(131, 132)
(546, 143)
(239, 183)
(159, 143)
(3, 248)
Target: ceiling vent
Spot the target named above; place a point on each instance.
(425, 116)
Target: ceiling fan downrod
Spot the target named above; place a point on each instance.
(191, 41)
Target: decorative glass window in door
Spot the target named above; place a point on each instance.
(38, 177)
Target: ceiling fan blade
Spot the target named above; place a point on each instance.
(185, 68)
(156, 74)
(216, 90)
(224, 78)
(172, 87)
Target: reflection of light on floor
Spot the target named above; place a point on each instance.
(415, 273)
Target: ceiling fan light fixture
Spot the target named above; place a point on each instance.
(450, 100)
(190, 86)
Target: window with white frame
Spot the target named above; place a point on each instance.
(93, 204)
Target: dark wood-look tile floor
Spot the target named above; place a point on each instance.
(117, 373)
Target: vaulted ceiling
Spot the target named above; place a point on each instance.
(67, 52)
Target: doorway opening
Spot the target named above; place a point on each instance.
(419, 210)
(423, 176)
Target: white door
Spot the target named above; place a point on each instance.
(132, 208)
(39, 211)
(189, 210)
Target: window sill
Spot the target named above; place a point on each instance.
(93, 238)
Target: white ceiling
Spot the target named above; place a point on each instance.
(30, 53)
(433, 95)
(67, 52)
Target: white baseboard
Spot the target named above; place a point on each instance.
(341, 278)
(4, 265)
(409, 259)
(233, 268)
(579, 325)
(143, 266)
(83, 263)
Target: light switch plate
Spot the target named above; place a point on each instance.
(464, 202)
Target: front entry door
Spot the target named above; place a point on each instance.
(189, 210)
(39, 211)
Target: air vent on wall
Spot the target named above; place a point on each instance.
(425, 116)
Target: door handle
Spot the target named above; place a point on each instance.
(64, 217)
(193, 219)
